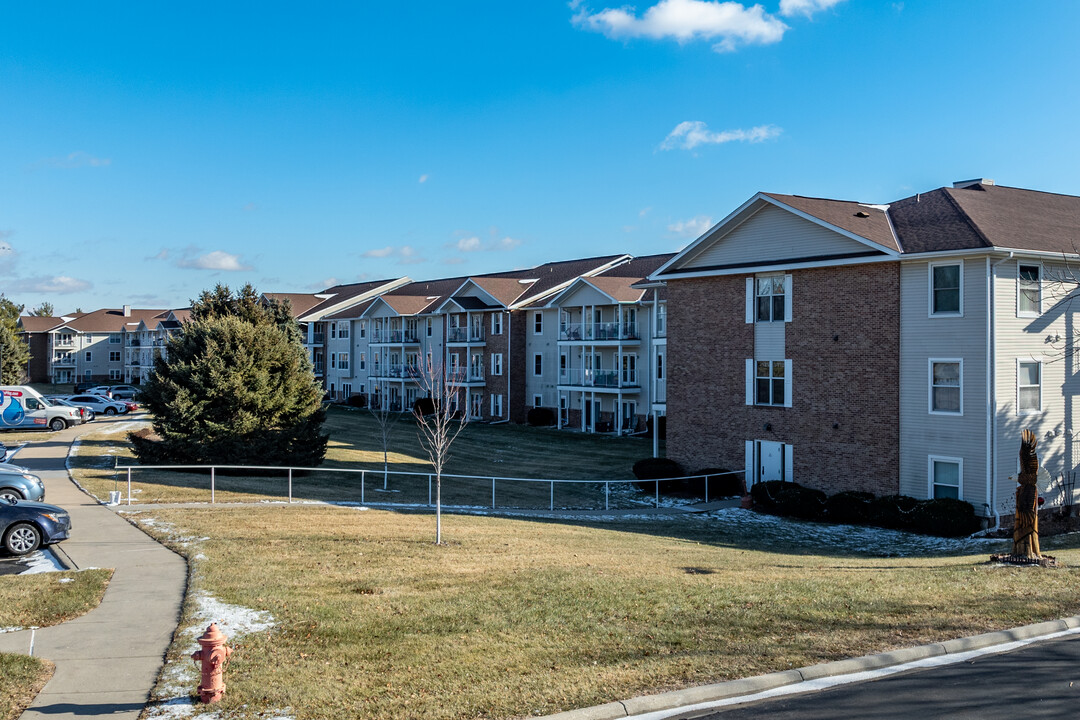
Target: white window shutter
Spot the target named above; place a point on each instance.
(787, 298)
(750, 474)
(749, 381)
(787, 383)
(750, 299)
(789, 463)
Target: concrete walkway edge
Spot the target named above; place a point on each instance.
(695, 696)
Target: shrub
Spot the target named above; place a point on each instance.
(721, 482)
(850, 506)
(661, 426)
(946, 517)
(423, 406)
(893, 511)
(540, 417)
(788, 498)
(657, 469)
(357, 401)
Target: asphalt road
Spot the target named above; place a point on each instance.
(1037, 681)
(11, 565)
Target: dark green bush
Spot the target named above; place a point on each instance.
(788, 498)
(357, 401)
(423, 406)
(894, 511)
(850, 506)
(721, 482)
(540, 417)
(946, 517)
(657, 469)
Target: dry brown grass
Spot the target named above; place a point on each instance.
(51, 598)
(21, 679)
(516, 618)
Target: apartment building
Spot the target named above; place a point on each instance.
(890, 348)
(147, 340)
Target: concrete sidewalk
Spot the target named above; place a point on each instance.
(108, 660)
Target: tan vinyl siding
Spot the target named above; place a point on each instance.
(923, 434)
(1026, 339)
(773, 234)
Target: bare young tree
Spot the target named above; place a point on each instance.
(386, 419)
(440, 423)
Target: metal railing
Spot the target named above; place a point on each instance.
(288, 474)
(598, 331)
(599, 378)
(464, 334)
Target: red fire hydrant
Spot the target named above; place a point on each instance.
(214, 656)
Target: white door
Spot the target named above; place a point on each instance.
(770, 461)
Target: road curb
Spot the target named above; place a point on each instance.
(748, 686)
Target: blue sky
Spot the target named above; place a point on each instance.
(150, 150)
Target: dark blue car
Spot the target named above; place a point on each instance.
(26, 526)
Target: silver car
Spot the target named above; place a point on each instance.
(18, 483)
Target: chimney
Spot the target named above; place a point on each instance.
(127, 311)
(961, 184)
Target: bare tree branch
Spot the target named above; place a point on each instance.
(440, 427)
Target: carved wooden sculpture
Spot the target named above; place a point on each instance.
(1026, 525)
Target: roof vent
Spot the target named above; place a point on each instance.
(962, 184)
(862, 214)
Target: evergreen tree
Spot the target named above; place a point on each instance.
(45, 309)
(236, 388)
(14, 353)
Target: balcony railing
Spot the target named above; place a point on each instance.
(318, 367)
(598, 331)
(318, 338)
(464, 334)
(599, 378)
(134, 342)
(463, 375)
(394, 336)
(63, 361)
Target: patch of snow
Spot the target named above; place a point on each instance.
(66, 580)
(9, 629)
(40, 561)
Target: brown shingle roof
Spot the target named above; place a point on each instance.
(300, 303)
(37, 323)
(342, 293)
(111, 320)
(846, 215)
(1023, 219)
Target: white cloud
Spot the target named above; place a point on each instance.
(5, 249)
(644, 211)
(453, 260)
(76, 159)
(423, 178)
(727, 24)
(163, 254)
(406, 254)
(689, 134)
(469, 244)
(215, 260)
(378, 253)
(805, 7)
(475, 244)
(58, 285)
(694, 227)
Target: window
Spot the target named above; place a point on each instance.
(430, 325)
(945, 477)
(343, 361)
(538, 400)
(363, 328)
(629, 369)
(89, 356)
(661, 320)
(771, 299)
(343, 330)
(333, 334)
(496, 323)
(538, 364)
(476, 405)
(496, 364)
(497, 405)
(363, 361)
(659, 366)
(1028, 387)
(946, 289)
(86, 373)
(114, 374)
(346, 390)
(538, 323)
(562, 365)
(114, 356)
(333, 361)
(114, 339)
(769, 379)
(332, 393)
(946, 394)
(1029, 290)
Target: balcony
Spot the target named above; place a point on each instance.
(598, 332)
(134, 342)
(318, 368)
(603, 379)
(463, 376)
(318, 338)
(61, 361)
(465, 335)
(394, 336)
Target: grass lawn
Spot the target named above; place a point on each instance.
(21, 679)
(515, 618)
(481, 450)
(40, 600)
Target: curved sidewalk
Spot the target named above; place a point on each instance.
(108, 660)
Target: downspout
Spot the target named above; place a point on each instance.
(507, 367)
(991, 394)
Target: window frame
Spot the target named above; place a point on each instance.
(930, 289)
(89, 356)
(538, 322)
(930, 480)
(1030, 361)
(752, 383)
(116, 353)
(785, 284)
(930, 386)
(538, 364)
(496, 323)
(1039, 302)
(496, 364)
(538, 401)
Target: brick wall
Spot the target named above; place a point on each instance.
(516, 363)
(843, 342)
(496, 384)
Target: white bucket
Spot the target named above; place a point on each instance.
(114, 497)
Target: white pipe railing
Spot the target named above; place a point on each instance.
(363, 478)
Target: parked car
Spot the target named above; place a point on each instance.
(23, 408)
(18, 483)
(124, 392)
(86, 413)
(100, 405)
(104, 391)
(26, 526)
(132, 406)
(83, 387)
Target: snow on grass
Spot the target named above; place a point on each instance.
(40, 561)
(9, 629)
